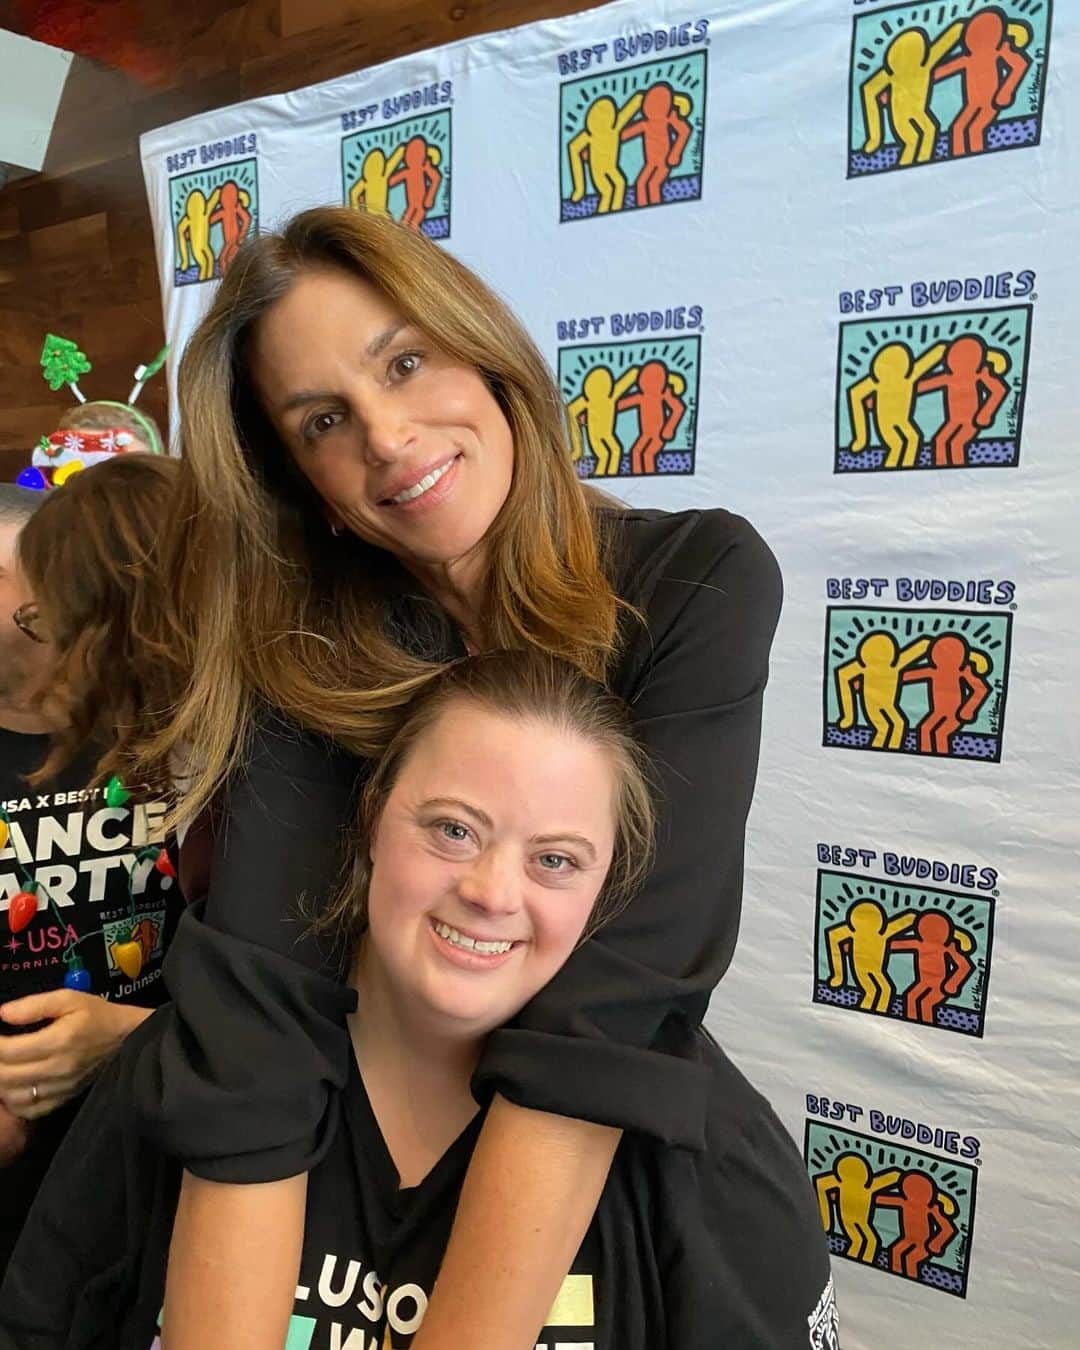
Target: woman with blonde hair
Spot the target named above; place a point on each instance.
(377, 479)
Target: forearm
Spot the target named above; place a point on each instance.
(529, 1196)
(233, 1264)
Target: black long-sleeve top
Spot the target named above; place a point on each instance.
(244, 1083)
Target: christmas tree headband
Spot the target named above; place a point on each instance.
(70, 449)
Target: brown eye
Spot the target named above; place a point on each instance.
(319, 425)
(408, 363)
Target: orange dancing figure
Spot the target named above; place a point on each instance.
(421, 177)
(974, 391)
(233, 216)
(941, 965)
(954, 673)
(926, 1227)
(664, 132)
(660, 410)
(989, 43)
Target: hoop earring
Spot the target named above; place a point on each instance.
(335, 530)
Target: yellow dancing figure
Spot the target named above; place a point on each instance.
(597, 407)
(371, 191)
(892, 387)
(193, 232)
(878, 667)
(599, 143)
(853, 1186)
(866, 935)
(904, 81)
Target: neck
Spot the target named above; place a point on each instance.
(459, 587)
(28, 721)
(416, 1073)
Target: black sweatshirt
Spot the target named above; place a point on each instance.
(245, 1081)
(687, 1250)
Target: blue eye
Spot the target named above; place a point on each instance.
(453, 829)
(554, 862)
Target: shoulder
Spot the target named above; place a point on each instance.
(657, 552)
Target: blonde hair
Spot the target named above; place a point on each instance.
(93, 558)
(276, 608)
(527, 686)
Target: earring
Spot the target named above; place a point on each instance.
(335, 530)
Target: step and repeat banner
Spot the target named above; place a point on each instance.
(815, 261)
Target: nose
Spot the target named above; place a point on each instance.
(490, 885)
(387, 428)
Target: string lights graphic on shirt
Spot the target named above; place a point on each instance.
(913, 953)
(894, 1208)
(403, 170)
(213, 211)
(932, 392)
(632, 406)
(932, 82)
(632, 138)
(916, 681)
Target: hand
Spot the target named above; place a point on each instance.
(57, 1060)
(13, 1136)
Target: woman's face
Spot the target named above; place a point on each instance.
(487, 859)
(407, 447)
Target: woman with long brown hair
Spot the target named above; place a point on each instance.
(376, 479)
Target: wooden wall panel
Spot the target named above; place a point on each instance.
(76, 248)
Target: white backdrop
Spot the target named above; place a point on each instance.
(868, 347)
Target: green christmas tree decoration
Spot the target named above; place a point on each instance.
(63, 363)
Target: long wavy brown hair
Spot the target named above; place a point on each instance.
(93, 557)
(525, 686)
(276, 608)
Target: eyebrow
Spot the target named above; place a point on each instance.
(482, 818)
(375, 347)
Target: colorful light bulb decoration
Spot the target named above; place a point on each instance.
(77, 977)
(21, 909)
(128, 955)
(32, 477)
(116, 794)
(164, 865)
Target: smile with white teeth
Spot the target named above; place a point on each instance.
(457, 939)
(418, 489)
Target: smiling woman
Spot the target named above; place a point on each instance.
(376, 479)
(510, 812)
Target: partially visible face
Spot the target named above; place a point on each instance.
(407, 447)
(24, 664)
(491, 850)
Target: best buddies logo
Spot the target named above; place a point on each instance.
(940, 390)
(631, 132)
(924, 679)
(213, 208)
(888, 1201)
(632, 404)
(933, 82)
(889, 944)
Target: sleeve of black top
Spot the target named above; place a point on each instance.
(241, 1086)
(610, 1039)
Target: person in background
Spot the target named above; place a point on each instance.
(89, 899)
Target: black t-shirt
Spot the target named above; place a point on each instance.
(689, 1250)
(611, 1038)
(101, 897)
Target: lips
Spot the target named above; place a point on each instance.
(415, 483)
(468, 950)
